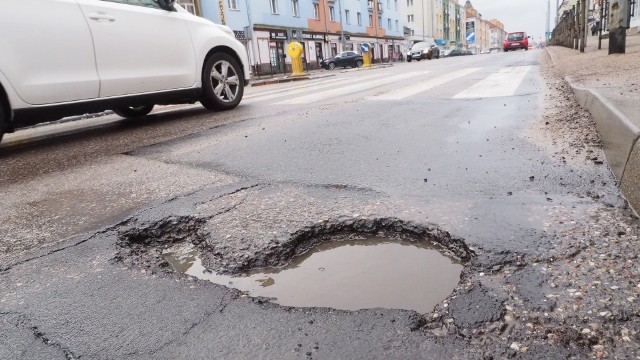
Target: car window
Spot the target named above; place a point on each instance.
(515, 36)
(420, 46)
(145, 3)
(351, 53)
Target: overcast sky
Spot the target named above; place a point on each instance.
(517, 15)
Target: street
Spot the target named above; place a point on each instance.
(486, 156)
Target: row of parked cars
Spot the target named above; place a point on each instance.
(423, 50)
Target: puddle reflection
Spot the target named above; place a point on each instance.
(360, 274)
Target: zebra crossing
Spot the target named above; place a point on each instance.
(466, 83)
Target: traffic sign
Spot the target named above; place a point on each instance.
(365, 48)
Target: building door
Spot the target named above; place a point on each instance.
(334, 49)
(277, 56)
(319, 54)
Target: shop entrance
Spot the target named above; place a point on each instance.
(277, 56)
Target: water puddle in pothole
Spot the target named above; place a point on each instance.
(349, 275)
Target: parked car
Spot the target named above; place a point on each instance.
(62, 58)
(422, 50)
(458, 52)
(344, 59)
(516, 40)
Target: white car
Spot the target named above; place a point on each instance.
(68, 57)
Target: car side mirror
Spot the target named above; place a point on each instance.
(166, 4)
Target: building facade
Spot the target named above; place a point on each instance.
(477, 30)
(266, 27)
(419, 22)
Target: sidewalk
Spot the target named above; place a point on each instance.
(608, 86)
(311, 74)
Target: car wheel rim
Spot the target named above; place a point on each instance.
(225, 81)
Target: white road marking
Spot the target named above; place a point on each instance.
(310, 87)
(305, 84)
(338, 91)
(503, 83)
(418, 87)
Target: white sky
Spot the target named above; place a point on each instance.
(517, 15)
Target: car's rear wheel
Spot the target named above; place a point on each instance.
(331, 66)
(134, 111)
(359, 63)
(409, 59)
(222, 82)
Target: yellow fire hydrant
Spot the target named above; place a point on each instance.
(366, 54)
(295, 50)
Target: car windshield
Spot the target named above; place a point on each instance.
(420, 46)
(515, 36)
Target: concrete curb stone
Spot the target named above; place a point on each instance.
(313, 76)
(619, 129)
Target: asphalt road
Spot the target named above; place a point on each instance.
(452, 146)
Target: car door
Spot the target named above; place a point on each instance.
(339, 59)
(46, 51)
(350, 60)
(139, 47)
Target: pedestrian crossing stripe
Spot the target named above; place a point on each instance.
(503, 83)
(361, 85)
(327, 84)
(421, 86)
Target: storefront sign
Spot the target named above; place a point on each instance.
(278, 35)
(313, 36)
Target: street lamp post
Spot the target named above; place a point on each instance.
(424, 18)
(341, 25)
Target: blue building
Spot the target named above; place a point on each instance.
(266, 27)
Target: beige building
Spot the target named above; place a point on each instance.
(481, 35)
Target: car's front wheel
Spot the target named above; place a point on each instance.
(222, 82)
(134, 111)
(331, 66)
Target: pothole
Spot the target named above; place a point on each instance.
(368, 272)
(347, 263)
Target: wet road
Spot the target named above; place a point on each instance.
(459, 144)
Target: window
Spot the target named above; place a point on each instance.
(233, 4)
(370, 20)
(188, 5)
(332, 13)
(410, 18)
(388, 4)
(380, 22)
(316, 11)
(389, 24)
(274, 6)
(395, 2)
(409, 3)
(347, 17)
(294, 8)
(145, 3)
(397, 26)
(359, 16)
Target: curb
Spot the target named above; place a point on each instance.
(619, 135)
(311, 77)
(289, 79)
